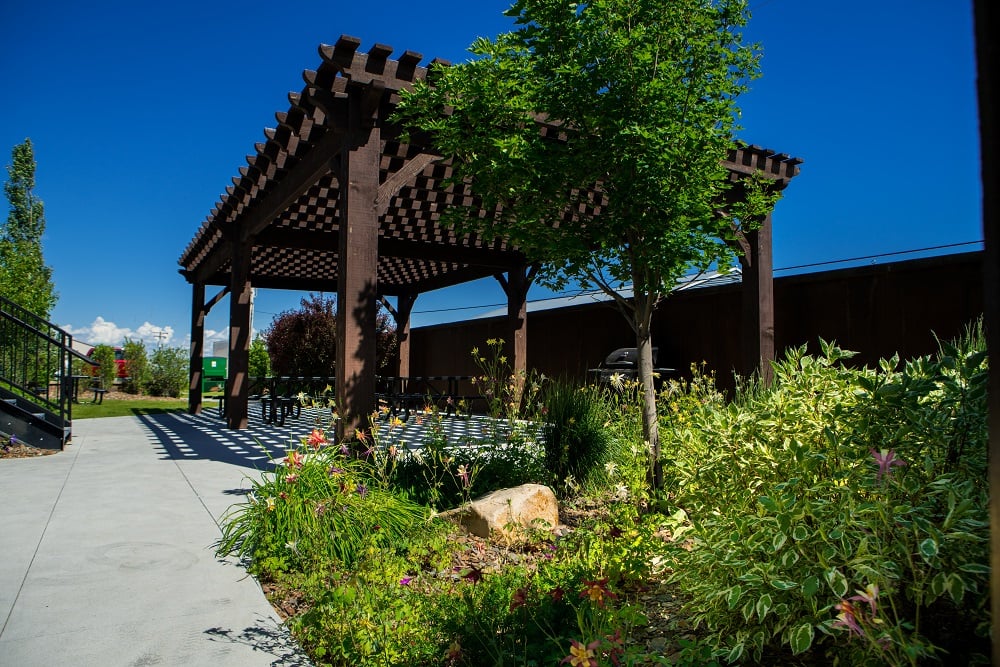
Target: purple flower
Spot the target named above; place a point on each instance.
(362, 490)
(886, 460)
(405, 581)
(848, 618)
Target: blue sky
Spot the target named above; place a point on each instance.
(140, 114)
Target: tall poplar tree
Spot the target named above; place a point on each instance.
(632, 99)
(24, 277)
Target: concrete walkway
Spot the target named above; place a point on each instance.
(106, 551)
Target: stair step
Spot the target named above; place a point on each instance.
(38, 415)
(10, 401)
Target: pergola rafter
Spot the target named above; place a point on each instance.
(334, 198)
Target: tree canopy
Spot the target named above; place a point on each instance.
(24, 277)
(597, 130)
(303, 342)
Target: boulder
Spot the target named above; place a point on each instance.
(512, 513)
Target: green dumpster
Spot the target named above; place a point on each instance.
(213, 374)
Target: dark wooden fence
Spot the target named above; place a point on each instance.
(876, 310)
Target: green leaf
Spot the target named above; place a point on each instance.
(733, 596)
(800, 533)
(956, 587)
(768, 504)
(778, 541)
(763, 605)
(938, 584)
(810, 586)
(801, 638)
(837, 582)
(735, 653)
(974, 568)
(784, 585)
(928, 549)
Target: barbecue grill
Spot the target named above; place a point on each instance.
(625, 362)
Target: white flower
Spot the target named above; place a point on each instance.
(617, 380)
(611, 467)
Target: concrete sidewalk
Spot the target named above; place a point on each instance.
(106, 553)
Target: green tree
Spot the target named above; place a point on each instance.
(596, 131)
(168, 372)
(108, 370)
(24, 277)
(260, 362)
(303, 342)
(136, 365)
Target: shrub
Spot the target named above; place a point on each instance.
(107, 371)
(577, 443)
(444, 475)
(168, 372)
(843, 511)
(136, 365)
(318, 505)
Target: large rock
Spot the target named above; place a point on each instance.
(512, 513)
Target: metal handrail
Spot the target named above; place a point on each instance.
(33, 354)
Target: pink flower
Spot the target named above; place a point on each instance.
(405, 581)
(317, 438)
(869, 595)
(848, 618)
(292, 478)
(886, 460)
(463, 474)
(293, 460)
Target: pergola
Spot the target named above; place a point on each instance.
(335, 199)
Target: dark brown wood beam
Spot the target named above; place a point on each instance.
(237, 386)
(758, 301)
(357, 292)
(195, 369)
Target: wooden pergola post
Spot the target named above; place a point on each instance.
(357, 291)
(237, 386)
(515, 285)
(758, 301)
(401, 315)
(198, 313)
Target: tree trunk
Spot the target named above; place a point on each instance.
(642, 320)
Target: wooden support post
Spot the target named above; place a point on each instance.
(401, 314)
(987, 22)
(357, 293)
(198, 313)
(515, 285)
(758, 302)
(237, 387)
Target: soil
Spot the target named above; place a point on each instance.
(19, 451)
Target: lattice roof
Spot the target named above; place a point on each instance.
(285, 202)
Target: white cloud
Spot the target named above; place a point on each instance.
(102, 331)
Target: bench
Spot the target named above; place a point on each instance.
(98, 394)
(274, 410)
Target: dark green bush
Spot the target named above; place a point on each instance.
(576, 440)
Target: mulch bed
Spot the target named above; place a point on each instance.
(19, 451)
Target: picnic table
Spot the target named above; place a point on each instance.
(405, 393)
